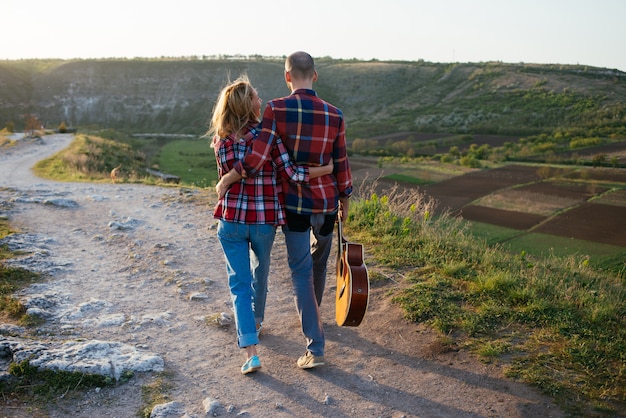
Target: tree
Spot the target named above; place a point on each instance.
(598, 159)
(31, 125)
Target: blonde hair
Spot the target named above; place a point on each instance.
(234, 109)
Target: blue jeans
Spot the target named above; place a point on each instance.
(247, 250)
(308, 276)
(320, 250)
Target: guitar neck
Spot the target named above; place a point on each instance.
(341, 240)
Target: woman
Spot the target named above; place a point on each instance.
(251, 209)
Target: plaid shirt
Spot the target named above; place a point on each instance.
(256, 200)
(314, 132)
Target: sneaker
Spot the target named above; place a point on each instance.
(258, 329)
(308, 361)
(252, 365)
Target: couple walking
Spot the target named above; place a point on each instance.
(291, 169)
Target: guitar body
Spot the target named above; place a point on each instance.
(353, 284)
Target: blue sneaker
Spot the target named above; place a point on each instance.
(252, 365)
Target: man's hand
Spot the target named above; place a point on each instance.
(225, 182)
(344, 204)
(221, 188)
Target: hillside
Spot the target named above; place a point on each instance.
(176, 96)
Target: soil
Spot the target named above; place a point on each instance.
(590, 222)
(506, 218)
(386, 367)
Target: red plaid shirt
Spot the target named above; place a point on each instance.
(256, 200)
(314, 132)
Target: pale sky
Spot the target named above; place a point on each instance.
(531, 31)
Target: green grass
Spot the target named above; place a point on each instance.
(556, 322)
(31, 389)
(408, 179)
(597, 255)
(492, 234)
(192, 160)
(44, 385)
(91, 158)
(13, 279)
(154, 393)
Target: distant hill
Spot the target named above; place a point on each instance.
(378, 98)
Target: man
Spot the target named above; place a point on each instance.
(314, 133)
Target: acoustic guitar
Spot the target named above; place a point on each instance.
(353, 285)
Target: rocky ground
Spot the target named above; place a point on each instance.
(138, 283)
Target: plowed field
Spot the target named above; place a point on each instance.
(590, 222)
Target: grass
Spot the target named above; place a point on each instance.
(43, 385)
(492, 234)
(91, 158)
(614, 197)
(555, 322)
(13, 279)
(597, 255)
(411, 179)
(5, 141)
(192, 160)
(154, 393)
(553, 319)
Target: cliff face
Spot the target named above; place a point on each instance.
(139, 96)
(177, 96)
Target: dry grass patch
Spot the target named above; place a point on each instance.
(526, 202)
(615, 197)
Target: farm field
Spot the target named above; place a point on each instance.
(456, 193)
(587, 204)
(532, 208)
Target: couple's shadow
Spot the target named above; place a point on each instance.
(350, 380)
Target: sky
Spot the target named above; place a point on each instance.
(581, 32)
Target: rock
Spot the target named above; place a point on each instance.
(168, 410)
(103, 358)
(198, 296)
(39, 313)
(224, 320)
(160, 318)
(212, 407)
(65, 203)
(120, 226)
(106, 321)
(10, 329)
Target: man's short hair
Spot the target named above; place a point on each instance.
(300, 65)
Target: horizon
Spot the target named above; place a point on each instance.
(251, 57)
(553, 32)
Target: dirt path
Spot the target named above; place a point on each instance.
(165, 277)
